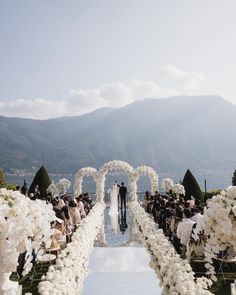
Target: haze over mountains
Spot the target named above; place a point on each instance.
(170, 135)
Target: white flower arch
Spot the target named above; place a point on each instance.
(86, 171)
(151, 173)
(100, 177)
(112, 165)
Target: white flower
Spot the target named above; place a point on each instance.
(63, 184)
(72, 265)
(175, 273)
(167, 184)
(24, 225)
(219, 225)
(178, 189)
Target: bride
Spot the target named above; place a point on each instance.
(113, 212)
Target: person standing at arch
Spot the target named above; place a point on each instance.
(123, 193)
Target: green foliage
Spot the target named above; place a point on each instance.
(192, 187)
(11, 186)
(234, 178)
(212, 193)
(43, 180)
(2, 179)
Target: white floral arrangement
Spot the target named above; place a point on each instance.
(24, 226)
(53, 189)
(67, 276)
(151, 173)
(116, 165)
(100, 177)
(176, 274)
(86, 171)
(62, 185)
(178, 189)
(167, 184)
(219, 226)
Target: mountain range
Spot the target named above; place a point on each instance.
(171, 135)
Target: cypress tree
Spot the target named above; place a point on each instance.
(234, 178)
(192, 187)
(2, 179)
(43, 181)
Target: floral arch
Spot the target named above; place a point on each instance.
(100, 177)
(112, 165)
(86, 171)
(147, 171)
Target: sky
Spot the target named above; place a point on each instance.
(70, 57)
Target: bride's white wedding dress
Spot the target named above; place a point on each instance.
(113, 212)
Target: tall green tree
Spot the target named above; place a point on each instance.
(192, 187)
(234, 178)
(2, 179)
(41, 182)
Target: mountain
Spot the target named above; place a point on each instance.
(171, 135)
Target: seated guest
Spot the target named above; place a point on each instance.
(87, 201)
(74, 213)
(184, 230)
(146, 200)
(58, 232)
(197, 214)
(60, 204)
(80, 205)
(174, 225)
(150, 204)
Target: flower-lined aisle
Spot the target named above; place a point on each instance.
(25, 226)
(72, 266)
(175, 273)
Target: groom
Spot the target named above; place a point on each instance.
(122, 193)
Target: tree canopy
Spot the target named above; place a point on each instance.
(234, 178)
(40, 182)
(192, 187)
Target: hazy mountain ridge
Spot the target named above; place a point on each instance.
(169, 134)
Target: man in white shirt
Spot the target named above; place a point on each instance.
(197, 215)
(184, 228)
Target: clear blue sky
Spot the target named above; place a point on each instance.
(71, 57)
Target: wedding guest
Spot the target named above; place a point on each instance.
(60, 204)
(74, 213)
(184, 230)
(146, 200)
(58, 233)
(80, 205)
(174, 225)
(197, 214)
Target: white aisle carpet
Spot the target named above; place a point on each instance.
(121, 271)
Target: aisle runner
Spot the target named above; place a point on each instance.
(121, 271)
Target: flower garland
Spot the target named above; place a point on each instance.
(176, 274)
(219, 225)
(24, 225)
(72, 266)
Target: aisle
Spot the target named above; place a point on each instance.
(121, 271)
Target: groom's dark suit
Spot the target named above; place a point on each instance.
(122, 193)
